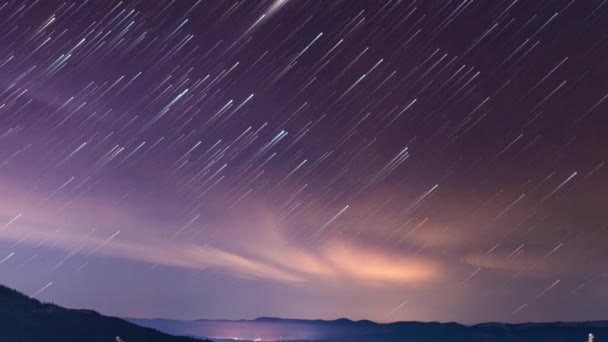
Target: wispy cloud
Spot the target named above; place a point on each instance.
(268, 254)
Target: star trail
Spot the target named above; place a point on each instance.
(387, 160)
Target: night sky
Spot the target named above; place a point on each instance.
(381, 159)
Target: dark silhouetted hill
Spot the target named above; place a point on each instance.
(24, 319)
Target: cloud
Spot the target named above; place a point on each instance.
(267, 254)
(371, 265)
(529, 259)
(500, 262)
(335, 261)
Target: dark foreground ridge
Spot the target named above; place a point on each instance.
(345, 330)
(25, 319)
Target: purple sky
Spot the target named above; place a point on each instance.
(389, 160)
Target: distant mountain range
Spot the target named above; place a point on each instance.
(24, 319)
(345, 330)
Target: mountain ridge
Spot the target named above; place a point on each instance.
(26, 319)
(342, 330)
(366, 321)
